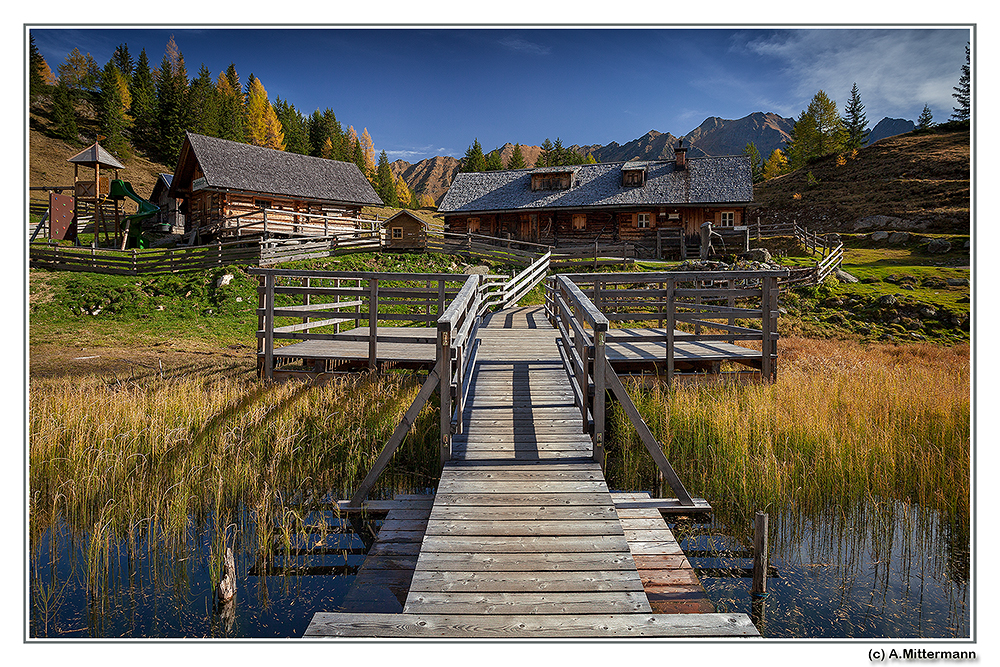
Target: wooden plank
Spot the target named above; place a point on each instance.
(526, 500)
(529, 626)
(528, 603)
(531, 562)
(519, 527)
(526, 582)
(523, 544)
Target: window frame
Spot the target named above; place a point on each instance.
(730, 215)
(395, 236)
(642, 221)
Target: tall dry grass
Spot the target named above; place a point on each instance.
(844, 424)
(137, 462)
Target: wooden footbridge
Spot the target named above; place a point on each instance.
(523, 538)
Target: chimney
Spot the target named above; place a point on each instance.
(680, 155)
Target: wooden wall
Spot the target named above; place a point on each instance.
(211, 209)
(414, 234)
(552, 226)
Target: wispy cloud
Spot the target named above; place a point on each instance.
(524, 46)
(897, 70)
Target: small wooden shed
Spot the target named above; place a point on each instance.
(405, 231)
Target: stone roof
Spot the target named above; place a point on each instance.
(232, 165)
(706, 180)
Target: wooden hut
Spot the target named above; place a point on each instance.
(231, 189)
(405, 231)
(169, 218)
(616, 201)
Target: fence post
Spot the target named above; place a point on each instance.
(759, 588)
(444, 387)
(768, 285)
(670, 331)
(269, 326)
(135, 262)
(372, 323)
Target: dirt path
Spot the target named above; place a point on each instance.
(58, 360)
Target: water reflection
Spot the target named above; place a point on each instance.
(889, 570)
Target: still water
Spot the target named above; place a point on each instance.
(897, 572)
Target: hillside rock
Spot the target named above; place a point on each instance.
(716, 136)
(938, 246)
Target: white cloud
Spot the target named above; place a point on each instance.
(897, 70)
(524, 46)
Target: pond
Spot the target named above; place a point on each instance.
(893, 571)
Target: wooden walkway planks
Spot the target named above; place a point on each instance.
(524, 539)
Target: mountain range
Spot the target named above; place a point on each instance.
(715, 136)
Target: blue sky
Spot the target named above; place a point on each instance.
(425, 92)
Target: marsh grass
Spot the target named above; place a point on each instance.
(127, 464)
(845, 425)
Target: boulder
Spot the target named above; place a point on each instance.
(757, 255)
(224, 280)
(938, 246)
(886, 300)
(899, 237)
(879, 236)
(844, 276)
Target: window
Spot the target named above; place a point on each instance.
(642, 220)
(473, 225)
(261, 203)
(728, 219)
(397, 232)
(551, 181)
(633, 178)
(579, 221)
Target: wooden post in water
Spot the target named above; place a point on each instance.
(759, 587)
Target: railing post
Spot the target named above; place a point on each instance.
(768, 285)
(670, 323)
(269, 326)
(600, 384)
(444, 387)
(372, 323)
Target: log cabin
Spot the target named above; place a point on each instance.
(225, 185)
(614, 201)
(405, 231)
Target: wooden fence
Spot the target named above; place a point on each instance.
(141, 262)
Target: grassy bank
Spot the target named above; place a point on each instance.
(844, 425)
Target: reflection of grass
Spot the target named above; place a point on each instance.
(844, 424)
(142, 459)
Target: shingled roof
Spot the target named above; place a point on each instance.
(230, 165)
(706, 180)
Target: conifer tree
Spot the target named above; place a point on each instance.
(776, 164)
(172, 103)
(37, 69)
(829, 126)
(368, 149)
(385, 183)
(474, 159)
(926, 119)
(112, 111)
(123, 61)
(232, 125)
(64, 114)
(357, 153)
(262, 125)
(205, 105)
(855, 123)
(756, 164)
(516, 160)
(493, 161)
(293, 124)
(145, 125)
(544, 158)
(962, 92)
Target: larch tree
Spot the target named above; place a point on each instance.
(776, 164)
(123, 61)
(829, 127)
(368, 149)
(262, 125)
(854, 121)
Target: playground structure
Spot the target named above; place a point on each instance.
(89, 202)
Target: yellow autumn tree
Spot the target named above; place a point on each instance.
(368, 148)
(327, 149)
(403, 193)
(262, 127)
(776, 165)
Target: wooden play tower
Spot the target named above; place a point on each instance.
(91, 194)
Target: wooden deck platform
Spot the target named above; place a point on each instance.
(524, 539)
(414, 347)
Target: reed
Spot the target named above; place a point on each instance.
(144, 460)
(845, 424)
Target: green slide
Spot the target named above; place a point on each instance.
(147, 209)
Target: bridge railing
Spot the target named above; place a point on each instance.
(583, 332)
(691, 307)
(298, 305)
